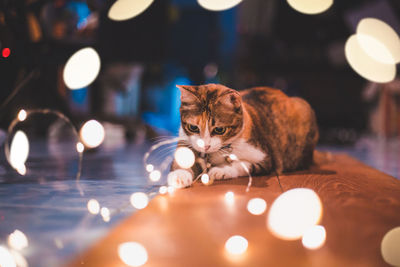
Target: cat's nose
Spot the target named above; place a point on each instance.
(206, 147)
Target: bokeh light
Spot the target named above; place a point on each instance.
(81, 68)
(218, 5)
(388, 49)
(256, 206)
(205, 179)
(184, 157)
(6, 259)
(293, 213)
(365, 65)
(19, 259)
(127, 9)
(19, 151)
(22, 115)
(93, 206)
(139, 200)
(236, 245)
(17, 240)
(155, 176)
(171, 189)
(6, 52)
(390, 247)
(200, 143)
(310, 7)
(149, 167)
(233, 157)
(80, 147)
(92, 134)
(105, 213)
(314, 237)
(132, 253)
(229, 198)
(163, 190)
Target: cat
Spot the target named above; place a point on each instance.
(264, 129)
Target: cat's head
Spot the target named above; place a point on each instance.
(211, 116)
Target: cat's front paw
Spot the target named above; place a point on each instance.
(219, 173)
(180, 178)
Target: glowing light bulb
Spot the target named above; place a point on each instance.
(230, 197)
(139, 200)
(184, 157)
(19, 151)
(314, 237)
(17, 240)
(256, 206)
(127, 9)
(365, 65)
(163, 190)
(385, 44)
(6, 52)
(236, 245)
(390, 248)
(81, 68)
(218, 5)
(155, 176)
(149, 167)
(293, 213)
(6, 259)
(92, 133)
(310, 7)
(200, 143)
(93, 206)
(22, 115)
(171, 189)
(105, 213)
(233, 157)
(80, 147)
(132, 253)
(205, 179)
(20, 261)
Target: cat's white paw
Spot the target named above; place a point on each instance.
(226, 172)
(180, 178)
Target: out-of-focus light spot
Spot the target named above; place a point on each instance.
(21, 169)
(127, 9)
(81, 68)
(17, 240)
(163, 190)
(105, 213)
(205, 179)
(233, 157)
(365, 65)
(375, 49)
(390, 247)
(149, 167)
(229, 197)
(218, 5)
(200, 143)
(93, 206)
(6, 52)
(210, 70)
(155, 176)
(22, 115)
(256, 206)
(80, 147)
(6, 259)
(58, 242)
(19, 151)
(236, 245)
(314, 237)
(132, 253)
(184, 157)
(171, 189)
(310, 7)
(294, 212)
(92, 133)
(20, 260)
(383, 34)
(139, 200)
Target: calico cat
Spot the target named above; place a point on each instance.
(268, 132)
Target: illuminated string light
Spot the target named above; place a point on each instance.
(163, 190)
(93, 206)
(218, 5)
(310, 7)
(149, 167)
(22, 115)
(17, 240)
(294, 212)
(229, 198)
(314, 237)
(256, 206)
(6, 52)
(19, 151)
(20, 260)
(205, 179)
(233, 157)
(92, 133)
(132, 253)
(171, 189)
(6, 259)
(81, 68)
(184, 157)
(139, 200)
(200, 143)
(80, 147)
(236, 245)
(390, 248)
(127, 9)
(155, 176)
(105, 213)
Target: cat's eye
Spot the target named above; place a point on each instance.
(193, 128)
(219, 130)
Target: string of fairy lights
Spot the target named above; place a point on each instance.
(373, 52)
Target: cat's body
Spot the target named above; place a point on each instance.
(263, 128)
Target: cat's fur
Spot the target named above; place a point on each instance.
(267, 131)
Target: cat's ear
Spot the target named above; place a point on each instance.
(188, 93)
(232, 98)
